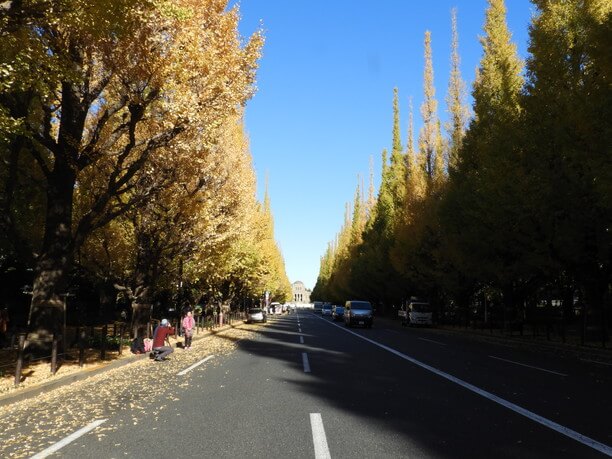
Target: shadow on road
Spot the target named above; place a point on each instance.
(396, 400)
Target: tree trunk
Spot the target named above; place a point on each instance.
(55, 259)
(107, 296)
(145, 279)
(595, 293)
(57, 252)
(141, 315)
(141, 307)
(508, 305)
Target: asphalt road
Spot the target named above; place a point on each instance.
(307, 387)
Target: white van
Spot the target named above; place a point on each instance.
(416, 313)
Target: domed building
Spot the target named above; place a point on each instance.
(300, 293)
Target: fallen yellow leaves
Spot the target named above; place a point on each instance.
(32, 425)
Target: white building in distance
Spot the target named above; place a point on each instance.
(300, 293)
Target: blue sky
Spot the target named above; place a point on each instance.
(324, 100)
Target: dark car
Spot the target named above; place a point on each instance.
(358, 313)
(338, 312)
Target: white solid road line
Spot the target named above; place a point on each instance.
(69, 439)
(301, 340)
(432, 341)
(305, 362)
(528, 366)
(197, 364)
(318, 437)
(596, 445)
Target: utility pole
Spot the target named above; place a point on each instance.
(179, 296)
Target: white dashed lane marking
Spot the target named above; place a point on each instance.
(318, 437)
(69, 439)
(197, 364)
(528, 366)
(305, 362)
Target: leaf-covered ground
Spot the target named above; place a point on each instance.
(29, 426)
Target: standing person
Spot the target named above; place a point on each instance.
(188, 325)
(160, 336)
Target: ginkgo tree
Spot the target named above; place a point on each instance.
(514, 210)
(566, 136)
(120, 89)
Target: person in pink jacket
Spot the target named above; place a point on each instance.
(188, 325)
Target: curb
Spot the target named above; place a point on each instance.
(30, 392)
(19, 395)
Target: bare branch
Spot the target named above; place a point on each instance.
(89, 153)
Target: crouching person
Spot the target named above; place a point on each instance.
(160, 337)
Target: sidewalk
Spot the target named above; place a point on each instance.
(46, 382)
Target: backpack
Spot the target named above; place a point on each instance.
(138, 346)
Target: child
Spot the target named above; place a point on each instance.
(188, 324)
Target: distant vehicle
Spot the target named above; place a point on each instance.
(256, 315)
(338, 312)
(358, 313)
(416, 313)
(318, 306)
(326, 310)
(276, 308)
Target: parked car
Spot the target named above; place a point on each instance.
(256, 315)
(326, 310)
(358, 313)
(338, 312)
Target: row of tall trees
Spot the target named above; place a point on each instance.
(514, 203)
(125, 156)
